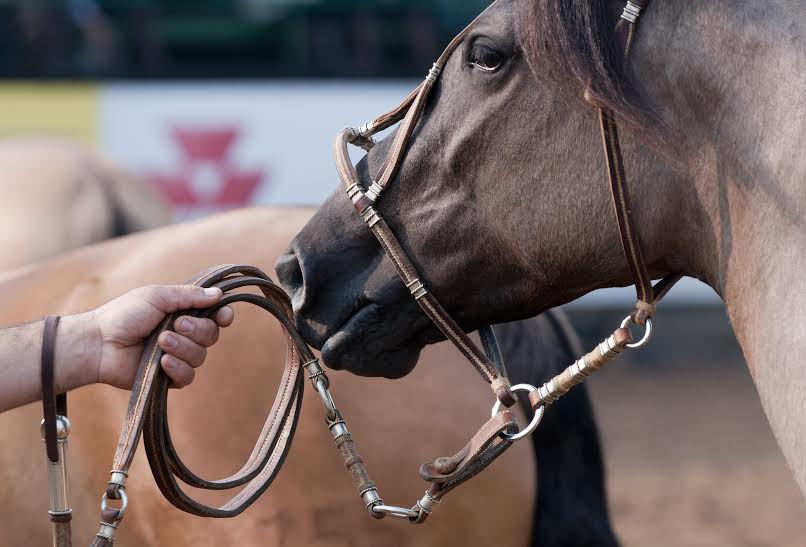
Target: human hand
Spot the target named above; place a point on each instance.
(118, 330)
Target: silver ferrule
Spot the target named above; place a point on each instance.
(354, 193)
(371, 217)
(374, 191)
(433, 73)
(118, 478)
(57, 480)
(315, 372)
(631, 12)
(417, 289)
(366, 130)
(427, 503)
(338, 429)
(371, 497)
(108, 530)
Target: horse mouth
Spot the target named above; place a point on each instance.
(374, 342)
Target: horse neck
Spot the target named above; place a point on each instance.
(739, 111)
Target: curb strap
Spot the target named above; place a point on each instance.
(55, 429)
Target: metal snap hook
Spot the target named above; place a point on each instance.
(327, 398)
(393, 511)
(647, 333)
(535, 420)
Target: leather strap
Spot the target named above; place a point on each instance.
(647, 296)
(147, 412)
(409, 112)
(53, 405)
(147, 415)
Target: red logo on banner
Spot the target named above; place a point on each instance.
(206, 179)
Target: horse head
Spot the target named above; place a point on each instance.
(501, 199)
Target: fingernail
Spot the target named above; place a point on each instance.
(184, 325)
(169, 341)
(212, 291)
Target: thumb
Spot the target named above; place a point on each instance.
(171, 298)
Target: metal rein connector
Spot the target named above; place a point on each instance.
(368, 492)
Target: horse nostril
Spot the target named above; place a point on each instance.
(289, 273)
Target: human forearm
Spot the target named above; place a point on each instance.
(104, 345)
(77, 357)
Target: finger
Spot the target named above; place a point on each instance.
(171, 298)
(225, 316)
(201, 331)
(182, 348)
(180, 373)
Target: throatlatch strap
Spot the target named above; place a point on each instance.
(647, 296)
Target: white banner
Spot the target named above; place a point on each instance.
(215, 146)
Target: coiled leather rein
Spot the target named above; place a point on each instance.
(147, 416)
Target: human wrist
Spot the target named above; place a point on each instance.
(78, 352)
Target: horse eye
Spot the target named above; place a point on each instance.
(484, 58)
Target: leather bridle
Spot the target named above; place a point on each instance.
(408, 113)
(147, 411)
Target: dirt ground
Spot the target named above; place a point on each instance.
(690, 457)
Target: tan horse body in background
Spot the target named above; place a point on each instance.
(57, 195)
(398, 425)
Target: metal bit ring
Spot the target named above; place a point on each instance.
(535, 420)
(647, 333)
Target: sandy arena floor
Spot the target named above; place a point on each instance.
(693, 463)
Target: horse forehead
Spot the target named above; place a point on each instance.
(500, 18)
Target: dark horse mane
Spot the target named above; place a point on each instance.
(576, 38)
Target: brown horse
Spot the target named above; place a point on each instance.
(502, 199)
(399, 425)
(59, 195)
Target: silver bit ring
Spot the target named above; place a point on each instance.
(647, 333)
(535, 420)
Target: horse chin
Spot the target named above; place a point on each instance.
(371, 344)
(343, 351)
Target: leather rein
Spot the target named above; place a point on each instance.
(146, 415)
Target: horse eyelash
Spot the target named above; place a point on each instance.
(484, 68)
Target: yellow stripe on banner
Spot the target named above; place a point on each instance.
(52, 110)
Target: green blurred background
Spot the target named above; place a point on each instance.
(226, 39)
